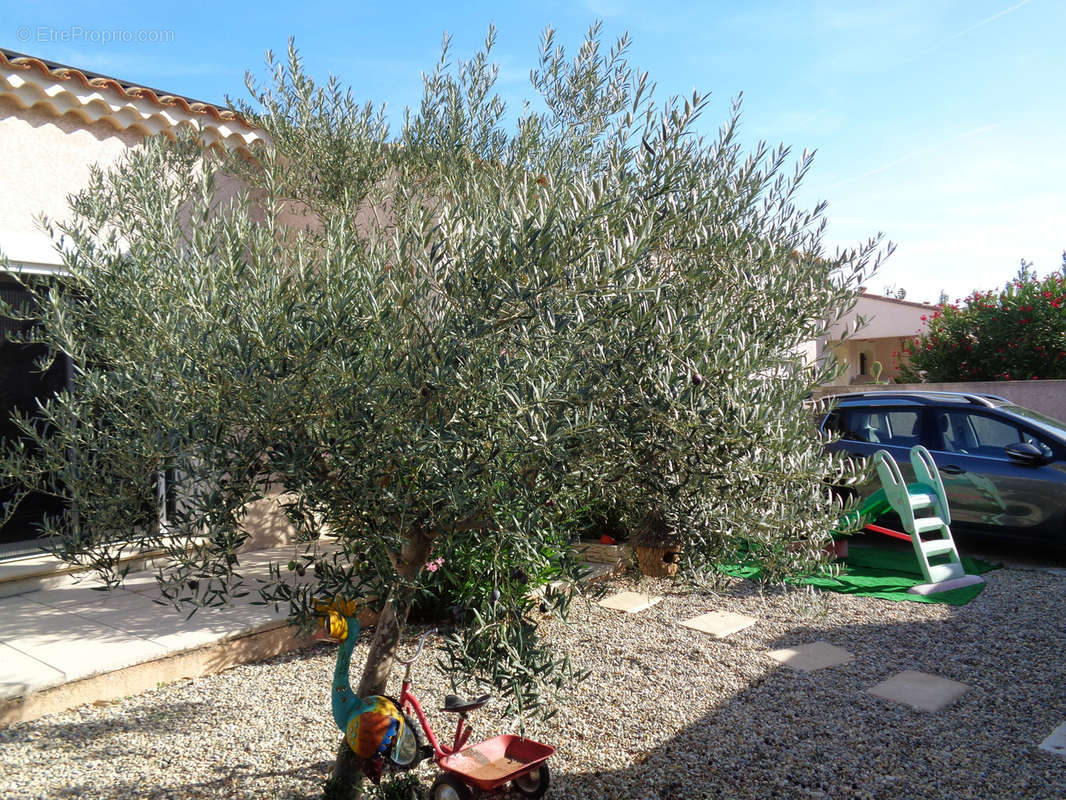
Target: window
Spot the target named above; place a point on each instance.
(22, 386)
(832, 423)
(993, 432)
(980, 435)
(899, 427)
(860, 424)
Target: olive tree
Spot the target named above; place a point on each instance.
(440, 341)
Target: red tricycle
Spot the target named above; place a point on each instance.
(468, 770)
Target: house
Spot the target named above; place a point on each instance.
(56, 122)
(872, 333)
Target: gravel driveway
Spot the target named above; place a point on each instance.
(667, 712)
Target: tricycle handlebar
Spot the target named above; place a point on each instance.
(418, 652)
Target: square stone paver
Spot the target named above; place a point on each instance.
(816, 655)
(919, 690)
(1056, 742)
(719, 623)
(630, 602)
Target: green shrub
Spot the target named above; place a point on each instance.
(1016, 334)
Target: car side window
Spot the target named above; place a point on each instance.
(993, 432)
(902, 428)
(832, 422)
(980, 435)
(859, 425)
(899, 427)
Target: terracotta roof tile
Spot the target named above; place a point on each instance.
(874, 296)
(125, 89)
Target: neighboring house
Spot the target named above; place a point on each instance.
(886, 323)
(55, 123)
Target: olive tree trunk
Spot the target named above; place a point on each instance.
(347, 780)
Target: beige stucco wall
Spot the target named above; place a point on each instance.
(884, 318)
(55, 122)
(43, 160)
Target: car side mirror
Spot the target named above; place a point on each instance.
(1025, 453)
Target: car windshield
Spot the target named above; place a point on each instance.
(1049, 424)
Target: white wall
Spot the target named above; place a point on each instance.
(46, 156)
(885, 317)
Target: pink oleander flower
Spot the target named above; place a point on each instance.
(434, 565)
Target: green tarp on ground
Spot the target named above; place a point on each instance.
(884, 573)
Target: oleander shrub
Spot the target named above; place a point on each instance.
(1018, 333)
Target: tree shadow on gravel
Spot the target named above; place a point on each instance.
(785, 734)
(237, 782)
(97, 734)
(821, 734)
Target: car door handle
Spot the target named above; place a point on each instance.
(951, 469)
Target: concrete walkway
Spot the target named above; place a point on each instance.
(73, 644)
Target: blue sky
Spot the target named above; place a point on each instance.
(941, 123)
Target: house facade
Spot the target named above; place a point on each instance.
(56, 122)
(872, 333)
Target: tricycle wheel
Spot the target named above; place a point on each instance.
(410, 747)
(448, 787)
(534, 783)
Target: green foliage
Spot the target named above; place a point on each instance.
(1016, 334)
(443, 345)
(399, 787)
(598, 518)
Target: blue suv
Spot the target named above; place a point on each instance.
(1003, 466)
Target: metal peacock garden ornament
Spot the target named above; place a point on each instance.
(372, 726)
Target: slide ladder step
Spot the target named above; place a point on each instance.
(925, 524)
(920, 500)
(938, 547)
